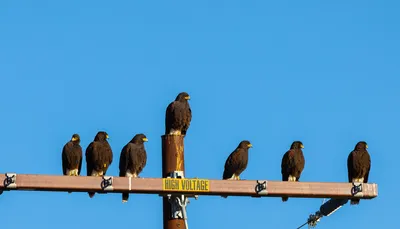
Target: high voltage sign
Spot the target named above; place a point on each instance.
(188, 185)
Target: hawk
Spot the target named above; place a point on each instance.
(237, 161)
(71, 157)
(99, 156)
(133, 159)
(178, 115)
(292, 164)
(358, 166)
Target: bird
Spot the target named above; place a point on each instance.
(292, 164)
(178, 115)
(133, 159)
(99, 156)
(358, 166)
(237, 162)
(71, 157)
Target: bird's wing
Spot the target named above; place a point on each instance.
(123, 160)
(230, 165)
(285, 166)
(134, 155)
(80, 160)
(141, 159)
(368, 164)
(89, 161)
(187, 120)
(64, 159)
(109, 154)
(169, 117)
(350, 167)
(300, 161)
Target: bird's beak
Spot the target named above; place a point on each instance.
(250, 145)
(145, 139)
(74, 139)
(107, 136)
(187, 97)
(302, 146)
(366, 146)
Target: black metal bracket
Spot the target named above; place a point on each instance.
(10, 180)
(176, 175)
(106, 183)
(357, 189)
(261, 188)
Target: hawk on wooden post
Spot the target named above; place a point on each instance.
(237, 162)
(178, 115)
(133, 159)
(358, 166)
(99, 156)
(71, 157)
(292, 164)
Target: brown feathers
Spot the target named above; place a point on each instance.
(99, 156)
(237, 161)
(292, 163)
(72, 157)
(178, 115)
(358, 166)
(133, 159)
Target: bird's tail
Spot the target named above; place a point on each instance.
(285, 198)
(354, 201)
(224, 197)
(91, 194)
(69, 192)
(125, 197)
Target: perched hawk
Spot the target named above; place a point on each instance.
(132, 160)
(236, 163)
(99, 156)
(358, 166)
(72, 157)
(178, 115)
(292, 164)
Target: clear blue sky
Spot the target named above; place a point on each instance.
(268, 71)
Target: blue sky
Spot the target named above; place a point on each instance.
(270, 72)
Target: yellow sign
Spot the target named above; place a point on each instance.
(186, 185)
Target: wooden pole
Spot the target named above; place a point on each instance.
(172, 160)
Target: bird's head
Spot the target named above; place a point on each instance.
(76, 138)
(101, 136)
(297, 145)
(182, 97)
(245, 144)
(139, 138)
(361, 146)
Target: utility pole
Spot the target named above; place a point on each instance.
(173, 166)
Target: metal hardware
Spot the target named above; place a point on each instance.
(179, 202)
(176, 175)
(357, 189)
(178, 207)
(261, 188)
(106, 183)
(326, 209)
(10, 181)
